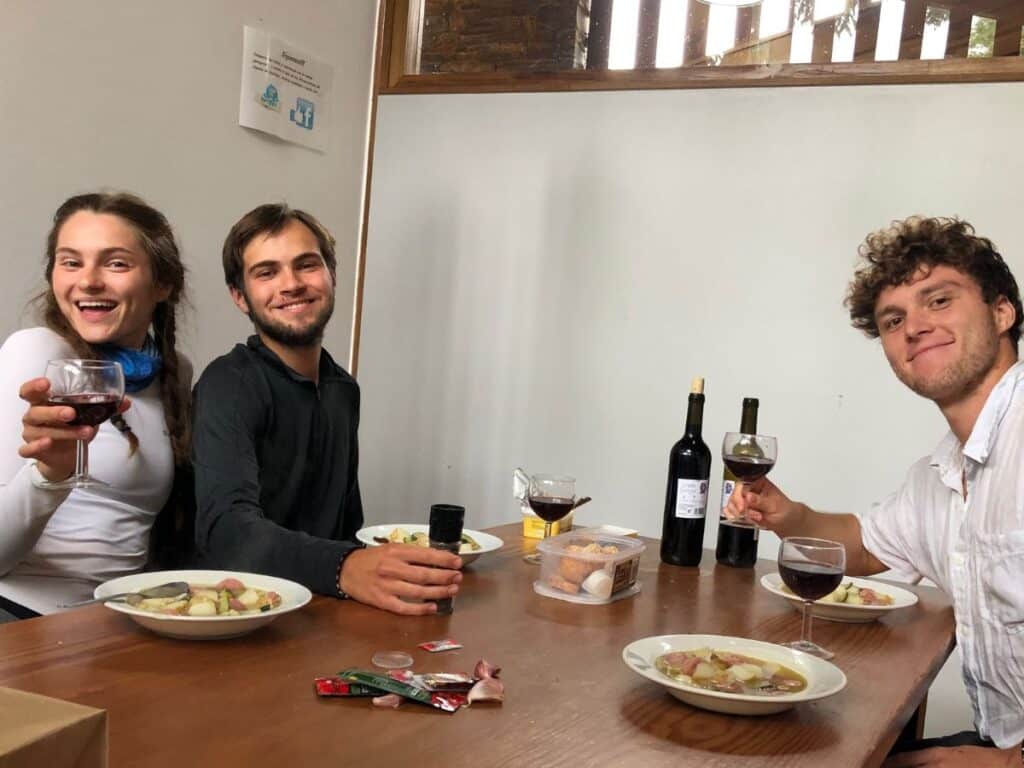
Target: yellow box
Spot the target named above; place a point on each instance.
(533, 526)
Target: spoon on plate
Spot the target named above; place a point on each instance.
(171, 589)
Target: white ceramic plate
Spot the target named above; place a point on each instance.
(823, 679)
(293, 597)
(487, 542)
(853, 614)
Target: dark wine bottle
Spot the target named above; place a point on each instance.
(686, 498)
(737, 542)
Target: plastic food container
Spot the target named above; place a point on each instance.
(610, 530)
(589, 567)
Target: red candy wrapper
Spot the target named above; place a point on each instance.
(450, 700)
(402, 675)
(436, 646)
(335, 686)
(447, 702)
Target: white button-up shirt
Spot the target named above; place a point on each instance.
(973, 549)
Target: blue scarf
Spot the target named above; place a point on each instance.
(141, 366)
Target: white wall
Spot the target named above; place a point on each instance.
(143, 96)
(546, 272)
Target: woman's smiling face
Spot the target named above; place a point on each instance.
(103, 280)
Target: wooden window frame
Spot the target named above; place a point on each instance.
(395, 50)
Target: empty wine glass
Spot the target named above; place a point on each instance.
(811, 568)
(94, 388)
(550, 497)
(749, 457)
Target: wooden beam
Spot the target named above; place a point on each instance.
(913, 28)
(1008, 37)
(824, 35)
(959, 35)
(696, 31)
(647, 34)
(381, 63)
(1007, 13)
(868, 15)
(748, 23)
(600, 34)
(995, 70)
(397, 29)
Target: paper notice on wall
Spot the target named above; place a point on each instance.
(285, 91)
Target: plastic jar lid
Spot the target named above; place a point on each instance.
(392, 659)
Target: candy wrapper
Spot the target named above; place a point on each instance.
(335, 686)
(445, 681)
(446, 702)
(447, 691)
(436, 646)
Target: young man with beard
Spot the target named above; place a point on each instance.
(275, 445)
(948, 312)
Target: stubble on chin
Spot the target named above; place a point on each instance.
(958, 380)
(306, 336)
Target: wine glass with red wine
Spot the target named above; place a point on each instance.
(811, 568)
(551, 497)
(94, 388)
(749, 458)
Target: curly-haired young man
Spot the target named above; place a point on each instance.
(948, 312)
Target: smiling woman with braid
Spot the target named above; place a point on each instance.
(115, 279)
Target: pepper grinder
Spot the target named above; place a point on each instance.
(446, 533)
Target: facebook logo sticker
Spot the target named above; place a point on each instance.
(302, 115)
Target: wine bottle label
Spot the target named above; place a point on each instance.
(727, 488)
(691, 498)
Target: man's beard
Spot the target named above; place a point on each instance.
(962, 376)
(305, 336)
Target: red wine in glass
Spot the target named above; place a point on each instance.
(93, 388)
(811, 568)
(550, 497)
(808, 579)
(748, 468)
(90, 409)
(551, 508)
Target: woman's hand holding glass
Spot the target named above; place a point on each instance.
(49, 437)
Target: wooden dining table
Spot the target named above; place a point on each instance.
(569, 698)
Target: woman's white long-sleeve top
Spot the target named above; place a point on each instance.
(56, 545)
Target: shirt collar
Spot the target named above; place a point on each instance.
(983, 437)
(329, 370)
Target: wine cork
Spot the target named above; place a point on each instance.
(697, 386)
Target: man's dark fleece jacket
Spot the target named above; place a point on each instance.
(276, 459)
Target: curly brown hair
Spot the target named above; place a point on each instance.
(894, 255)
